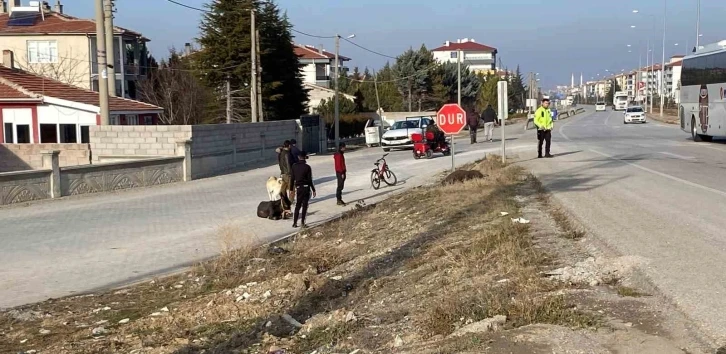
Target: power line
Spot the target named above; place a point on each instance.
(187, 6)
(311, 35)
(368, 50)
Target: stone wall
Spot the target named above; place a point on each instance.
(23, 157)
(24, 186)
(115, 143)
(223, 147)
(118, 176)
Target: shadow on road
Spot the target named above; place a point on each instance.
(332, 196)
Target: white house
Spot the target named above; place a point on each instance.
(479, 57)
(318, 64)
(35, 109)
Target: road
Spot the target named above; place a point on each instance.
(649, 191)
(69, 246)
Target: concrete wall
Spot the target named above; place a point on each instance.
(55, 182)
(113, 143)
(21, 157)
(223, 147)
(318, 93)
(118, 176)
(25, 186)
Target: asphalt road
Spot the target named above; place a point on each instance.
(70, 246)
(649, 191)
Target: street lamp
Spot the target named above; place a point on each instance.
(337, 80)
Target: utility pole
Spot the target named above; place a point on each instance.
(458, 94)
(698, 22)
(101, 53)
(260, 108)
(662, 63)
(253, 83)
(337, 87)
(110, 56)
(229, 102)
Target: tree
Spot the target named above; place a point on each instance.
(391, 98)
(445, 87)
(225, 37)
(283, 94)
(176, 88)
(517, 90)
(411, 72)
(488, 94)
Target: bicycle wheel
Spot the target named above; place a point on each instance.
(390, 178)
(375, 180)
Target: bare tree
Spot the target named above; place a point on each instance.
(176, 88)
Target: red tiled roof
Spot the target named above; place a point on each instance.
(310, 52)
(676, 63)
(7, 91)
(470, 46)
(41, 86)
(57, 23)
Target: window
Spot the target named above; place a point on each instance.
(132, 119)
(42, 52)
(85, 135)
(9, 133)
(68, 134)
(48, 133)
(23, 131)
(114, 119)
(704, 70)
(148, 120)
(454, 55)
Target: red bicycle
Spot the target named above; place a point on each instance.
(382, 173)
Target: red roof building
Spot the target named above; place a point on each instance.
(318, 64)
(36, 109)
(478, 57)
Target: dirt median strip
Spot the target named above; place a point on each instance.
(436, 269)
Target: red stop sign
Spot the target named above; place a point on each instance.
(451, 119)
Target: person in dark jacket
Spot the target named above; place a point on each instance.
(302, 180)
(489, 116)
(340, 173)
(472, 120)
(294, 151)
(284, 160)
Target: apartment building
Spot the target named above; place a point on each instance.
(50, 43)
(319, 64)
(479, 57)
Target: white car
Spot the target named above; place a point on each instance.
(600, 106)
(634, 114)
(399, 135)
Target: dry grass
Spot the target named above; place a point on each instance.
(420, 264)
(625, 291)
(568, 228)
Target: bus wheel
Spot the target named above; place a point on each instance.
(694, 129)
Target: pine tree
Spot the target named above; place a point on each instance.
(412, 75)
(283, 94)
(226, 42)
(225, 39)
(516, 90)
(391, 98)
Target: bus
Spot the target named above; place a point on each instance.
(702, 109)
(620, 100)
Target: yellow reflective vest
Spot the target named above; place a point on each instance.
(543, 119)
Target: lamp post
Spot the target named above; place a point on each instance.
(337, 80)
(698, 22)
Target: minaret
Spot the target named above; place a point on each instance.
(572, 80)
(580, 79)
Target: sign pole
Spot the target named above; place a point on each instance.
(458, 90)
(503, 105)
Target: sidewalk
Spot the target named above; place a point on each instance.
(668, 119)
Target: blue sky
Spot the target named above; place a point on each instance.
(554, 37)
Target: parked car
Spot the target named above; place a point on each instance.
(399, 135)
(600, 106)
(634, 114)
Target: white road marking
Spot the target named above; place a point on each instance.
(608, 117)
(677, 156)
(664, 175)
